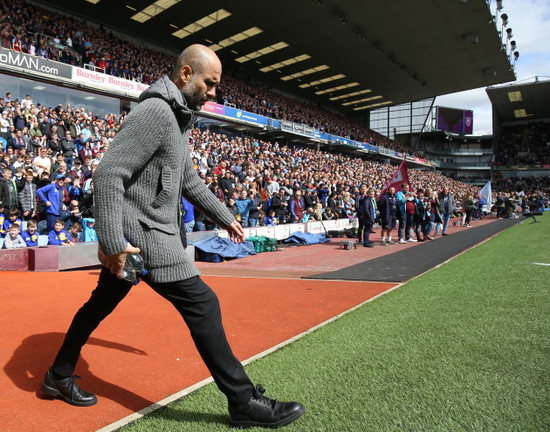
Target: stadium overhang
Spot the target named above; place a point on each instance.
(521, 102)
(348, 56)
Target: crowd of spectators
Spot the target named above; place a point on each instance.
(524, 145)
(47, 146)
(31, 29)
(231, 165)
(48, 156)
(253, 98)
(28, 28)
(515, 195)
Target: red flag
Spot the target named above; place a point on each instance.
(400, 176)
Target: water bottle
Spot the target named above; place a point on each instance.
(133, 269)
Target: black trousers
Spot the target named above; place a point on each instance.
(468, 216)
(199, 307)
(360, 229)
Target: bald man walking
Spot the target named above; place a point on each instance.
(138, 187)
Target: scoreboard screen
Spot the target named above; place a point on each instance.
(455, 120)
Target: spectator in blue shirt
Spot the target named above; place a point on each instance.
(188, 215)
(244, 204)
(52, 196)
(271, 219)
(12, 218)
(401, 197)
(88, 225)
(2, 220)
(323, 193)
(58, 236)
(31, 236)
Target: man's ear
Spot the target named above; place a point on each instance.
(186, 73)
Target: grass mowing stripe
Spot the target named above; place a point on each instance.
(464, 347)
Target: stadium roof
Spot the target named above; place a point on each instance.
(347, 55)
(521, 101)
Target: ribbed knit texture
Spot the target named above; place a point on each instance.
(140, 180)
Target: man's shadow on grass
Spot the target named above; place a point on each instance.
(32, 358)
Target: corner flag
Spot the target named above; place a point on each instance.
(400, 176)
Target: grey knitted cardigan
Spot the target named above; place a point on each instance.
(139, 183)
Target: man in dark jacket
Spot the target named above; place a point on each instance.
(388, 214)
(17, 141)
(367, 210)
(4, 189)
(310, 198)
(9, 189)
(137, 191)
(279, 204)
(226, 184)
(362, 195)
(68, 148)
(18, 120)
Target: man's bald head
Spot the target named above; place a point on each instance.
(197, 73)
(197, 57)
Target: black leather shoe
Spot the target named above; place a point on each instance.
(370, 244)
(67, 390)
(262, 411)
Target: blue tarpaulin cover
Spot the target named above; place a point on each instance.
(225, 247)
(306, 238)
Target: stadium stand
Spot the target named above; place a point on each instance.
(248, 163)
(524, 145)
(40, 143)
(33, 30)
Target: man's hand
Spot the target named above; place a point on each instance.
(236, 232)
(116, 262)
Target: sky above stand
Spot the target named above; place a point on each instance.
(530, 23)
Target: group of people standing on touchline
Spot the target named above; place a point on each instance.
(416, 211)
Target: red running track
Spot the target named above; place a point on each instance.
(142, 353)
